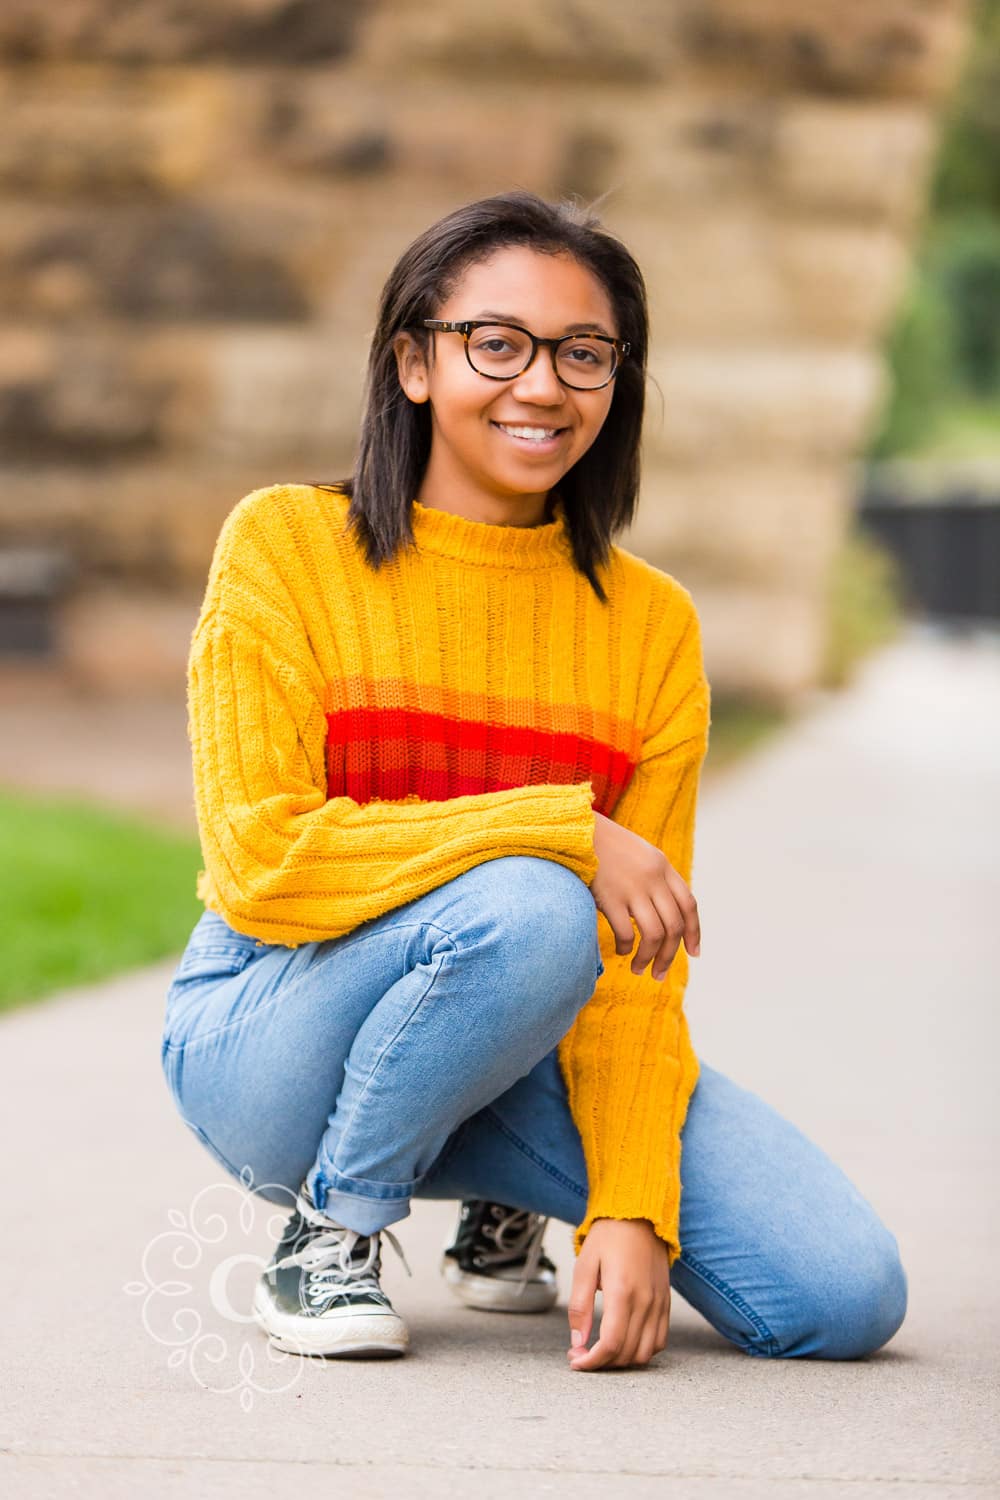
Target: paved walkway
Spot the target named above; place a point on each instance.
(849, 887)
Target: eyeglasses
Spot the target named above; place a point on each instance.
(502, 351)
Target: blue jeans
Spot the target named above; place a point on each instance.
(416, 1057)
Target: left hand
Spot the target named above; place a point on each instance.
(627, 1261)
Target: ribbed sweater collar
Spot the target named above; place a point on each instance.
(485, 544)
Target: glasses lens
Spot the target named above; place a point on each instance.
(497, 350)
(584, 362)
(502, 351)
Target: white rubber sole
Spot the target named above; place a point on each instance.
(494, 1294)
(374, 1334)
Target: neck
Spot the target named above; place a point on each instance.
(518, 512)
(438, 492)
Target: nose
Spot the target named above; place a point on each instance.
(539, 385)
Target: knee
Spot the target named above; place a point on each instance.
(849, 1310)
(546, 917)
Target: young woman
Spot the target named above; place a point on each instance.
(447, 740)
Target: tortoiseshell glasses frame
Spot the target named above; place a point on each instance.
(619, 348)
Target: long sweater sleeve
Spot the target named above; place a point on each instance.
(284, 861)
(628, 1062)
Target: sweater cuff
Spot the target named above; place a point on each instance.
(631, 1131)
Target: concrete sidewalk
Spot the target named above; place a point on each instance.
(849, 887)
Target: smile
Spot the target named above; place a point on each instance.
(537, 435)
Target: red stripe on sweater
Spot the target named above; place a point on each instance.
(388, 754)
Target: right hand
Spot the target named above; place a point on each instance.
(636, 880)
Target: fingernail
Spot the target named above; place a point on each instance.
(576, 1337)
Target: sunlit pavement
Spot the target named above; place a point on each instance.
(849, 887)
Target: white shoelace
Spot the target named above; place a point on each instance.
(328, 1259)
(525, 1230)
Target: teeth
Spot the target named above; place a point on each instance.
(535, 434)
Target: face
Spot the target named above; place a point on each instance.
(480, 465)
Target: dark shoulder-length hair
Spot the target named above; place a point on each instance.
(600, 492)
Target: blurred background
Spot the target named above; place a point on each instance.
(200, 207)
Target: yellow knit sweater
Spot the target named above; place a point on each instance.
(360, 737)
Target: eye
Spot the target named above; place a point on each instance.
(583, 354)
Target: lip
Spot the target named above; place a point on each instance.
(531, 445)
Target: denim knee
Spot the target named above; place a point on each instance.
(849, 1310)
(547, 913)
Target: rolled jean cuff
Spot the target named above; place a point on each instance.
(361, 1205)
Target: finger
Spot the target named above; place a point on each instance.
(648, 1343)
(684, 897)
(633, 1338)
(620, 923)
(673, 924)
(581, 1301)
(652, 931)
(614, 1327)
(663, 1323)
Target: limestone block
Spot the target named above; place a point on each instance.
(151, 523)
(67, 132)
(711, 277)
(281, 392)
(846, 157)
(727, 405)
(830, 46)
(152, 260)
(700, 147)
(839, 280)
(525, 39)
(162, 31)
(764, 643)
(344, 130)
(82, 393)
(36, 506)
(452, 139)
(126, 639)
(186, 261)
(88, 402)
(743, 273)
(770, 525)
(28, 355)
(705, 138)
(43, 272)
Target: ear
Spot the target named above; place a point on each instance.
(412, 367)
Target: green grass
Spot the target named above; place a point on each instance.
(87, 893)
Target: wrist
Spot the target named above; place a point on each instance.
(639, 1223)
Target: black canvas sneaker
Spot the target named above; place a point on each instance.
(496, 1262)
(320, 1294)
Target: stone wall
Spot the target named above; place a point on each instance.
(202, 204)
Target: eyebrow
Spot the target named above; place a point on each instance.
(592, 327)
